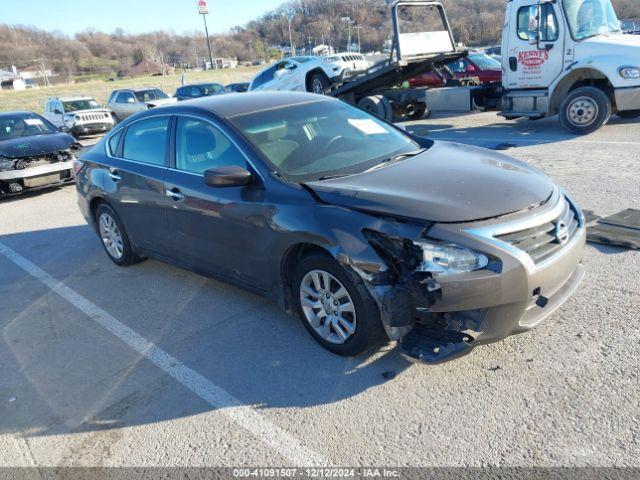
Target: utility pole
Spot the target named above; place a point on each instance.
(359, 44)
(291, 52)
(203, 9)
(349, 22)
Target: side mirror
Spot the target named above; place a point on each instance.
(57, 111)
(130, 100)
(291, 66)
(64, 129)
(225, 177)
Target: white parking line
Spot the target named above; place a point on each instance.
(243, 415)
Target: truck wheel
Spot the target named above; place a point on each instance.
(419, 112)
(377, 105)
(629, 114)
(585, 110)
(338, 313)
(318, 83)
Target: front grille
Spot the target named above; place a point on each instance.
(544, 241)
(93, 117)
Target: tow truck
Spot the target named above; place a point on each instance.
(559, 57)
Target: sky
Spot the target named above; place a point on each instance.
(133, 16)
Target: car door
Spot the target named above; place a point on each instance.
(134, 181)
(214, 229)
(288, 76)
(530, 63)
(125, 105)
(267, 80)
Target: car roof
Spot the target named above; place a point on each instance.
(13, 114)
(200, 84)
(71, 99)
(229, 106)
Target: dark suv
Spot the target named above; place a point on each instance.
(360, 227)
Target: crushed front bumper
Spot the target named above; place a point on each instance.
(15, 181)
(486, 306)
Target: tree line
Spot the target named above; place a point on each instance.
(474, 22)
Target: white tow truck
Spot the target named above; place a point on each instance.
(568, 57)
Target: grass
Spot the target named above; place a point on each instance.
(33, 100)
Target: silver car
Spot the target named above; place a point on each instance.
(124, 103)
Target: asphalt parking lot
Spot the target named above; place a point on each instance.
(153, 365)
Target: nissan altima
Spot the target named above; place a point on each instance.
(367, 232)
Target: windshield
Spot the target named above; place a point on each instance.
(588, 18)
(211, 89)
(77, 105)
(150, 95)
(322, 139)
(485, 62)
(24, 125)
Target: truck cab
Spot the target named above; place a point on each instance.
(569, 57)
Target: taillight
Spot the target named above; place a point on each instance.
(78, 165)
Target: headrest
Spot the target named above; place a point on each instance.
(199, 140)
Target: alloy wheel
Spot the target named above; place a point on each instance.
(111, 236)
(327, 306)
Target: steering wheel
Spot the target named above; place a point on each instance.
(332, 143)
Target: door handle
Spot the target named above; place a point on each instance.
(513, 64)
(175, 195)
(115, 176)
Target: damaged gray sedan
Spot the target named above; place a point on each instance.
(367, 232)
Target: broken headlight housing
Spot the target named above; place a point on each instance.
(448, 259)
(630, 73)
(6, 164)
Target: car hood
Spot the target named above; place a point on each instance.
(448, 183)
(620, 45)
(35, 145)
(162, 101)
(90, 111)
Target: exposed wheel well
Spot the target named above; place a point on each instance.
(585, 77)
(94, 204)
(292, 256)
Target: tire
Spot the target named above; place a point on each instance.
(105, 218)
(318, 83)
(421, 111)
(363, 326)
(629, 114)
(585, 110)
(377, 105)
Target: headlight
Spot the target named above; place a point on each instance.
(6, 164)
(447, 259)
(630, 73)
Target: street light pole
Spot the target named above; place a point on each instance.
(291, 53)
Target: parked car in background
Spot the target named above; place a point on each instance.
(476, 67)
(309, 74)
(124, 103)
(359, 227)
(78, 115)
(187, 92)
(631, 26)
(33, 153)
(494, 52)
(238, 87)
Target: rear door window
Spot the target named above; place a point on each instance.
(125, 97)
(146, 141)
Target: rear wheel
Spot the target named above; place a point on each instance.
(340, 315)
(114, 237)
(629, 114)
(377, 105)
(419, 112)
(585, 110)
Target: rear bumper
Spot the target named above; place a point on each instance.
(627, 98)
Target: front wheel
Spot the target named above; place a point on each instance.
(629, 114)
(340, 315)
(585, 110)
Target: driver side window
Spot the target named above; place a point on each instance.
(201, 146)
(125, 97)
(528, 23)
